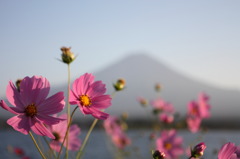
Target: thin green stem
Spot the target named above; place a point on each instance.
(38, 148)
(44, 138)
(67, 131)
(80, 152)
(68, 107)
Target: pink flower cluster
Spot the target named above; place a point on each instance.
(197, 110)
(59, 131)
(114, 129)
(31, 106)
(170, 144)
(164, 109)
(35, 112)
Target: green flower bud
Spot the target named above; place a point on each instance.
(119, 85)
(67, 55)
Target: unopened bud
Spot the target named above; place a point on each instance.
(157, 87)
(142, 101)
(158, 155)
(198, 150)
(17, 83)
(124, 116)
(120, 84)
(67, 55)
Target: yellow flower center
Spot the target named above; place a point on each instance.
(85, 100)
(31, 110)
(168, 146)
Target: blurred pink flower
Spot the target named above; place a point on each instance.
(193, 109)
(111, 125)
(166, 118)
(193, 123)
(89, 96)
(170, 144)
(229, 151)
(59, 131)
(120, 139)
(18, 151)
(204, 107)
(31, 107)
(161, 105)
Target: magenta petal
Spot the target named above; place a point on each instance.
(227, 151)
(96, 89)
(73, 98)
(55, 145)
(48, 119)
(85, 110)
(81, 84)
(74, 141)
(39, 129)
(14, 110)
(13, 95)
(34, 90)
(99, 114)
(52, 105)
(101, 102)
(20, 123)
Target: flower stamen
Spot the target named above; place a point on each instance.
(85, 100)
(31, 110)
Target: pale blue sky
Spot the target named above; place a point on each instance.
(200, 38)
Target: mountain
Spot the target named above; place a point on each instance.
(142, 72)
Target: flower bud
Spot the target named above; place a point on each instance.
(198, 150)
(157, 87)
(67, 55)
(158, 155)
(120, 84)
(18, 84)
(142, 101)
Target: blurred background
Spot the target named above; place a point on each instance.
(186, 46)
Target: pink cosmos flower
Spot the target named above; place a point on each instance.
(166, 118)
(161, 105)
(193, 109)
(229, 151)
(204, 107)
(32, 107)
(193, 123)
(170, 144)
(111, 125)
(89, 96)
(120, 139)
(59, 131)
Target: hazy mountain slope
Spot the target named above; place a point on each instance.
(143, 72)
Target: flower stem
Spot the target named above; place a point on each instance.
(44, 138)
(35, 142)
(80, 152)
(68, 108)
(67, 131)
